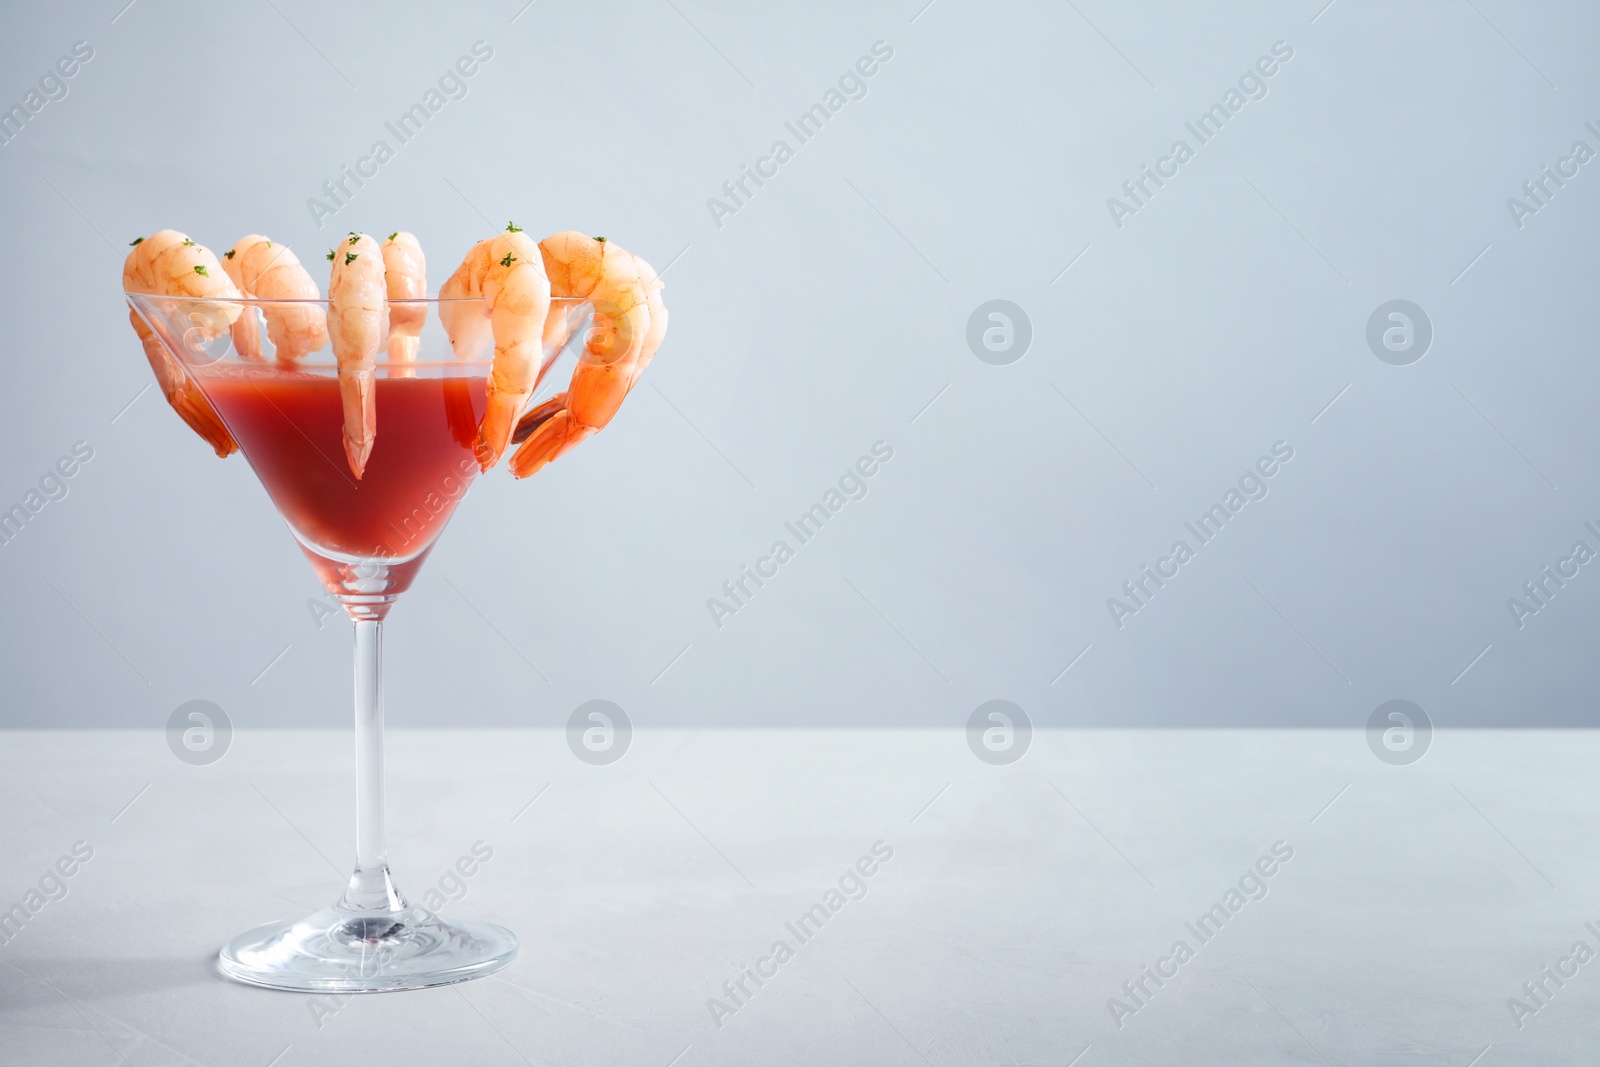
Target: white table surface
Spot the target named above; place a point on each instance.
(1016, 902)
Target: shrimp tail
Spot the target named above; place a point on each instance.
(508, 272)
(168, 263)
(538, 417)
(494, 433)
(246, 332)
(405, 272)
(403, 349)
(549, 441)
(628, 325)
(357, 383)
(182, 394)
(505, 401)
(358, 321)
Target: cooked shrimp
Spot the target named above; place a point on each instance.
(558, 328)
(596, 270)
(658, 315)
(406, 272)
(465, 321)
(624, 292)
(508, 272)
(357, 298)
(268, 271)
(169, 264)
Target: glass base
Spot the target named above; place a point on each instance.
(343, 949)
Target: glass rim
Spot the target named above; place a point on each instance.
(311, 365)
(323, 300)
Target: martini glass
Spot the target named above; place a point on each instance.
(366, 539)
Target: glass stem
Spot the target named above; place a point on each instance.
(370, 886)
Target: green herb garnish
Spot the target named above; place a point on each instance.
(354, 237)
(350, 257)
(393, 235)
(510, 259)
(512, 227)
(228, 254)
(200, 269)
(187, 243)
(135, 241)
(330, 255)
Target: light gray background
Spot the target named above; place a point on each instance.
(1019, 899)
(829, 313)
(825, 316)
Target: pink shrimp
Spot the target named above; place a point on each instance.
(630, 322)
(508, 272)
(268, 271)
(169, 264)
(406, 274)
(357, 298)
(658, 316)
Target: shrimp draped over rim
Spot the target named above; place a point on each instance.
(358, 306)
(508, 272)
(266, 270)
(630, 322)
(167, 263)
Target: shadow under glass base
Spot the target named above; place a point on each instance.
(350, 949)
